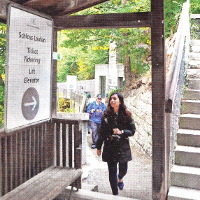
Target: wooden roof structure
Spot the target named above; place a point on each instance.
(58, 7)
(60, 11)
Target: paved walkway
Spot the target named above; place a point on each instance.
(137, 182)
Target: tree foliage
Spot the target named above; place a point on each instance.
(195, 6)
(94, 43)
(172, 14)
(2, 68)
(82, 49)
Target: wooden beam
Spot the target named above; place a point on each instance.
(159, 164)
(53, 8)
(3, 10)
(80, 5)
(54, 76)
(119, 20)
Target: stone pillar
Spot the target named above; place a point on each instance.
(113, 72)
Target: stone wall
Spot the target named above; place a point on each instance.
(139, 102)
(195, 26)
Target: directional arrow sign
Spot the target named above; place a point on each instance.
(30, 103)
(33, 103)
(29, 68)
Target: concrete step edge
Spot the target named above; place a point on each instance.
(185, 170)
(183, 193)
(90, 187)
(194, 53)
(191, 90)
(187, 149)
(188, 69)
(195, 42)
(193, 79)
(193, 62)
(190, 101)
(195, 116)
(189, 132)
(91, 195)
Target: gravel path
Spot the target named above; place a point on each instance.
(138, 181)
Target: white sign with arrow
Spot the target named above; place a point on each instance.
(33, 103)
(28, 75)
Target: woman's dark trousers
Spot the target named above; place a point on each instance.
(113, 178)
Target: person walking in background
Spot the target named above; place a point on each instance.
(116, 126)
(88, 96)
(96, 110)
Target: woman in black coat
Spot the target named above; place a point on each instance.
(116, 126)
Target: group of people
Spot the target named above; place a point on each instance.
(111, 128)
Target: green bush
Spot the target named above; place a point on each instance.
(195, 6)
(63, 104)
(172, 14)
(118, 90)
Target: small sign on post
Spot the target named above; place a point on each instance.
(29, 68)
(57, 56)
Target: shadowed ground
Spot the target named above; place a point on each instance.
(137, 182)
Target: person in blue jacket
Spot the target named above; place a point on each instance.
(96, 110)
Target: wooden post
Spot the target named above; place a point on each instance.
(58, 144)
(64, 146)
(54, 76)
(78, 150)
(1, 183)
(159, 178)
(49, 144)
(3, 11)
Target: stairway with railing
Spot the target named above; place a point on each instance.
(185, 143)
(185, 174)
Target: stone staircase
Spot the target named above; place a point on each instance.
(185, 173)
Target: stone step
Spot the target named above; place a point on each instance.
(190, 107)
(82, 194)
(195, 49)
(194, 84)
(191, 94)
(193, 73)
(195, 43)
(189, 121)
(187, 156)
(185, 176)
(90, 187)
(188, 137)
(194, 56)
(180, 193)
(193, 64)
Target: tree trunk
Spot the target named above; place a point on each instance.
(127, 70)
(127, 64)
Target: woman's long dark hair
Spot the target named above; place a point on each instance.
(122, 106)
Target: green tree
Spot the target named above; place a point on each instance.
(172, 14)
(80, 54)
(2, 69)
(195, 6)
(94, 43)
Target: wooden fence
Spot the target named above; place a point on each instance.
(77, 102)
(27, 152)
